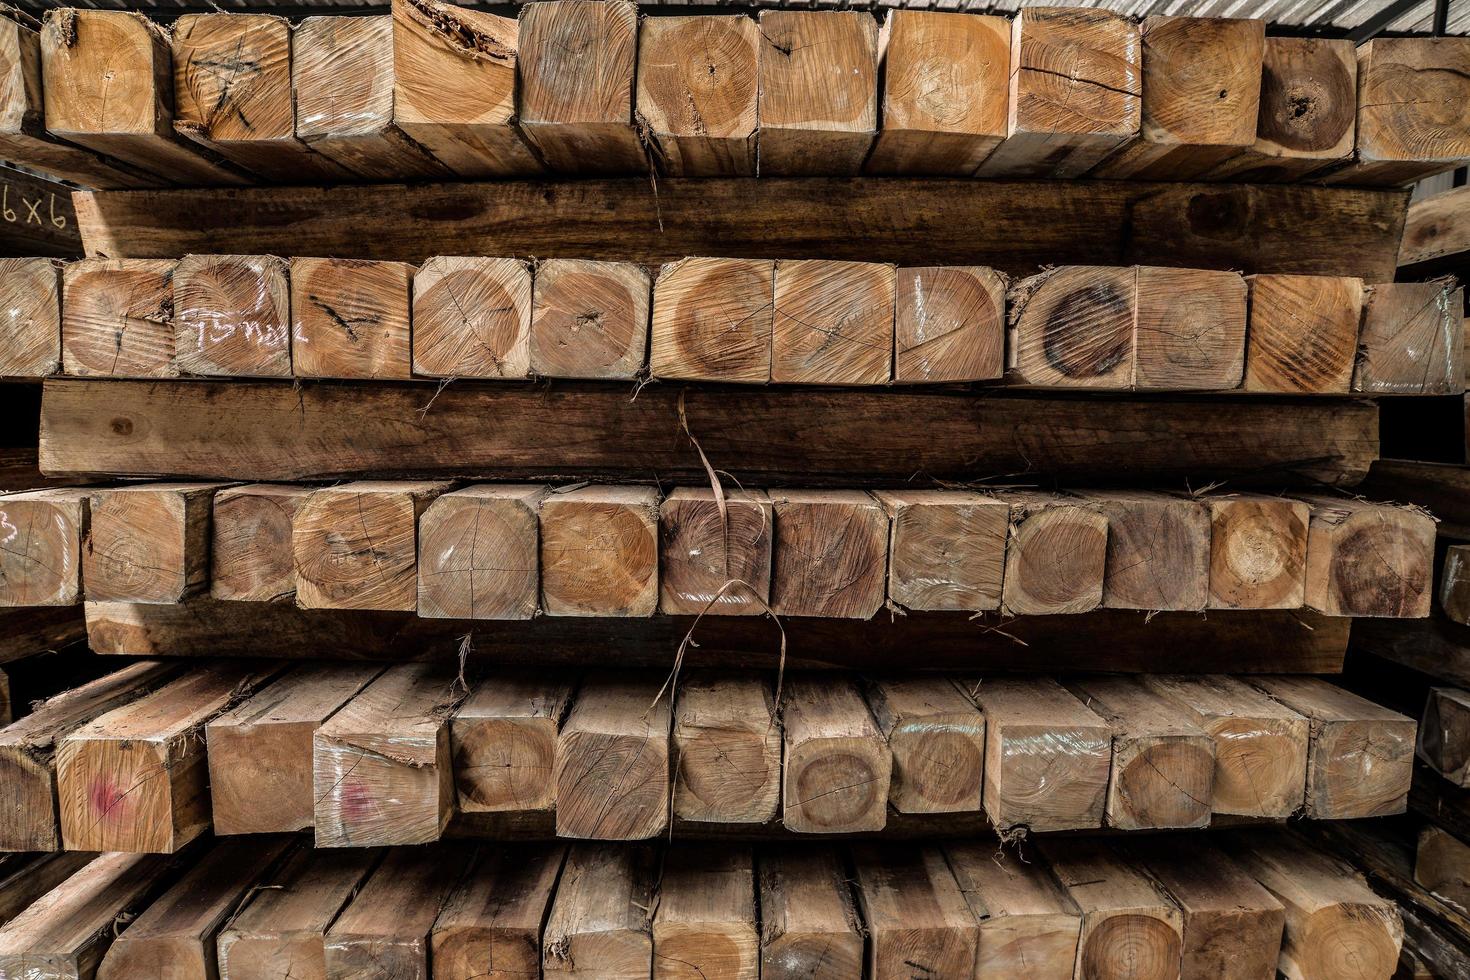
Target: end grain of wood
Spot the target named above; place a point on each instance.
(232, 316)
(599, 552)
(454, 87)
(590, 319)
(818, 91)
(30, 314)
(41, 535)
(117, 318)
(576, 64)
(946, 92)
(697, 89)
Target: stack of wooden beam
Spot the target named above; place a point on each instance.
(1159, 907)
(741, 573)
(111, 100)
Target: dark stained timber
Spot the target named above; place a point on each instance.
(1294, 641)
(1016, 226)
(275, 431)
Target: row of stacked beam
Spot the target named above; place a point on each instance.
(584, 86)
(516, 551)
(151, 757)
(755, 321)
(1237, 909)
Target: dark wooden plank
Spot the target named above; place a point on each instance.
(1122, 640)
(279, 431)
(36, 217)
(1434, 646)
(1013, 225)
(24, 632)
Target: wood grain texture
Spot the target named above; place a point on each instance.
(599, 552)
(946, 549)
(454, 87)
(1036, 729)
(30, 315)
(386, 929)
(148, 542)
(342, 80)
(1190, 332)
(23, 135)
(41, 535)
(278, 432)
(1075, 92)
(1260, 744)
(1201, 90)
(937, 737)
(706, 923)
(382, 763)
(612, 761)
(1158, 552)
(600, 924)
(1232, 925)
(260, 751)
(355, 545)
(698, 84)
(1335, 924)
(1413, 97)
(833, 322)
(1073, 327)
(1436, 227)
(945, 92)
(350, 318)
(494, 919)
(1361, 755)
(108, 85)
(1412, 340)
(250, 548)
(590, 319)
(949, 324)
(1163, 763)
(576, 67)
(232, 316)
(504, 742)
(1027, 921)
(712, 320)
(66, 932)
(830, 554)
(479, 553)
(837, 766)
(1367, 559)
(175, 936)
(1442, 865)
(232, 95)
(917, 918)
(1250, 228)
(282, 929)
(31, 820)
(1308, 111)
(727, 750)
(1056, 555)
(810, 928)
(117, 318)
(1303, 333)
(134, 778)
(1130, 927)
(1237, 641)
(472, 318)
(701, 549)
(1258, 551)
(818, 91)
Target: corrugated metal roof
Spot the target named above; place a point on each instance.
(1315, 15)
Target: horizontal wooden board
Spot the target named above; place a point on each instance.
(277, 431)
(1226, 641)
(36, 217)
(1017, 226)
